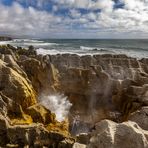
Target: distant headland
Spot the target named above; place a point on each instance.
(5, 38)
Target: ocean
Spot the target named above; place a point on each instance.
(132, 47)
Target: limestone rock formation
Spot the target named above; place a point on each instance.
(40, 114)
(25, 122)
(113, 87)
(78, 145)
(34, 135)
(140, 117)
(108, 86)
(113, 135)
(11, 81)
(44, 77)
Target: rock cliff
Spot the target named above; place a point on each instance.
(112, 87)
(23, 120)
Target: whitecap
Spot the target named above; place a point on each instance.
(43, 51)
(5, 42)
(86, 48)
(36, 44)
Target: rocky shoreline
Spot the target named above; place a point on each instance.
(109, 96)
(4, 38)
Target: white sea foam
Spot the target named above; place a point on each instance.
(26, 40)
(36, 44)
(45, 51)
(5, 42)
(94, 49)
(58, 104)
(86, 48)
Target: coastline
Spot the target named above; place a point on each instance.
(132, 48)
(104, 90)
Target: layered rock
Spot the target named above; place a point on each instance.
(24, 121)
(113, 87)
(113, 135)
(33, 135)
(140, 117)
(110, 86)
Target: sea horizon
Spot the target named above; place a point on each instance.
(131, 47)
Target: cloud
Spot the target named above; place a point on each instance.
(86, 4)
(17, 20)
(82, 19)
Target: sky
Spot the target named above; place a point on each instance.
(74, 18)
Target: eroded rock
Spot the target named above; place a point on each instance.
(140, 117)
(100, 87)
(113, 135)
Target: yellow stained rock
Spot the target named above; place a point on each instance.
(16, 87)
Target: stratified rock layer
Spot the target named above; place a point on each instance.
(113, 87)
(23, 120)
(113, 135)
(101, 86)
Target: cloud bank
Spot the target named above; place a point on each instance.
(75, 18)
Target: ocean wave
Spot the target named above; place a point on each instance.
(27, 40)
(43, 51)
(5, 42)
(47, 51)
(94, 49)
(90, 48)
(87, 48)
(36, 44)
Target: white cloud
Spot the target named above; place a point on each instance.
(105, 5)
(75, 14)
(21, 21)
(87, 4)
(122, 22)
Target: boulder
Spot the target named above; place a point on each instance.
(140, 117)
(113, 135)
(78, 145)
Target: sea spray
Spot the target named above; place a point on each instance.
(58, 104)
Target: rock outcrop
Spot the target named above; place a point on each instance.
(140, 117)
(108, 86)
(113, 135)
(113, 87)
(23, 120)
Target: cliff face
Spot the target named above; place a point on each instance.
(113, 87)
(101, 86)
(23, 120)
